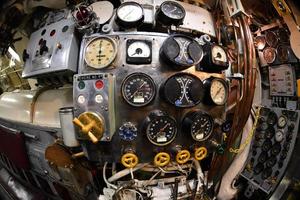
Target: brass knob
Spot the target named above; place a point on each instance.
(91, 125)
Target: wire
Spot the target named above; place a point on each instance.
(105, 180)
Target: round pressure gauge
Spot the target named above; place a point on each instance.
(182, 90)
(100, 52)
(260, 42)
(138, 89)
(279, 136)
(271, 39)
(160, 128)
(170, 13)
(216, 91)
(272, 118)
(283, 35)
(282, 121)
(269, 54)
(139, 52)
(199, 124)
(181, 52)
(130, 14)
(283, 53)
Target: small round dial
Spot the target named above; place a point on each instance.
(283, 53)
(138, 89)
(279, 136)
(271, 39)
(139, 49)
(269, 54)
(260, 42)
(128, 131)
(100, 52)
(218, 55)
(170, 12)
(181, 52)
(218, 91)
(160, 128)
(199, 124)
(282, 121)
(272, 118)
(182, 90)
(283, 35)
(130, 14)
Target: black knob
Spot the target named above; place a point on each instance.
(25, 55)
(43, 47)
(258, 168)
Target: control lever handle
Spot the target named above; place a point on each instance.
(86, 129)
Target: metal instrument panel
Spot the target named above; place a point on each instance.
(61, 54)
(267, 148)
(124, 112)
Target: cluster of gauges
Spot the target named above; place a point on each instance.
(182, 90)
(161, 129)
(178, 51)
(131, 14)
(274, 45)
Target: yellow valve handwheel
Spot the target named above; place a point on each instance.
(200, 153)
(183, 156)
(162, 159)
(129, 160)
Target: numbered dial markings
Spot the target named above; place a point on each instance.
(173, 10)
(202, 127)
(219, 91)
(139, 49)
(138, 89)
(130, 12)
(100, 52)
(161, 130)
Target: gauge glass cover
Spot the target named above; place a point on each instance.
(218, 54)
(161, 130)
(130, 12)
(173, 10)
(271, 39)
(138, 89)
(202, 127)
(218, 91)
(269, 54)
(282, 121)
(100, 52)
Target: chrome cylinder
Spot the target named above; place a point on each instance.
(66, 116)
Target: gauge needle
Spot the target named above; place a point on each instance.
(219, 90)
(138, 89)
(204, 124)
(162, 129)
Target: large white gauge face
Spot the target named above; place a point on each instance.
(218, 92)
(100, 52)
(139, 49)
(130, 12)
(218, 54)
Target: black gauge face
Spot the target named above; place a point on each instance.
(138, 89)
(269, 55)
(283, 53)
(260, 42)
(271, 39)
(272, 118)
(182, 90)
(201, 127)
(173, 10)
(181, 51)
(161, 130)
(283, 35)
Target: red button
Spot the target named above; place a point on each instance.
(99, 84)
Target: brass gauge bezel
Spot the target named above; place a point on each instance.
(113, 42)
